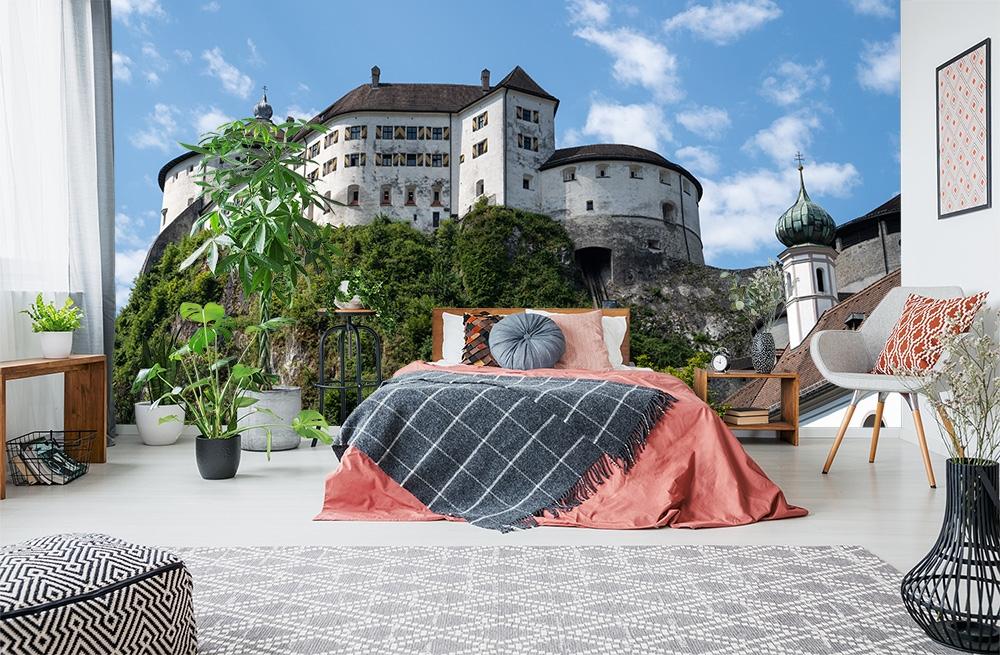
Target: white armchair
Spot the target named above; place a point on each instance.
(846, 358)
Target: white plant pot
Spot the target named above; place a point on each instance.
(56, 345)
(353, 303)
(151, 431)
(286, 403)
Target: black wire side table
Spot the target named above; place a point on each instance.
(348, 340)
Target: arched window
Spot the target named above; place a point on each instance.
(602, 170)
(353, 195)
(788, 285)
(480, 187)
(820, 280)
(569, 174)
(386, 195)
(669, 212)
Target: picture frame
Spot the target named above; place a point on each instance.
(964, 157)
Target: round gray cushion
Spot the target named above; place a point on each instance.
(526, 341)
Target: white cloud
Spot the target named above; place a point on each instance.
(590, 12)
(161, 126)
(738, 213)
(789, 83)
(125, 10)
(121, 67)
(233, 80)
(724, 22)
(255, 57)
(701, 161)
(208, 120)
(302, 87)
(638, 125)
(878, 69)
(877, 8)
(127, 231)
(784, 137)
(212, 6)
(151, 77)
(184, 56)
(638, 60)
(706, 122)
(153, 58)
(128, 263)
(295, 111)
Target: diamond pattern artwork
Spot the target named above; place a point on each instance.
(479, 600)
(963, 136)
(914, 344)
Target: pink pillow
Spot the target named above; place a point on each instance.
(584, 335)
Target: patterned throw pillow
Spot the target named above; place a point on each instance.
(915, 342)
(477, 339)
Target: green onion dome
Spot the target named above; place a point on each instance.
(805, 222)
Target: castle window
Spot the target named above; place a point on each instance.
(461, 158)
(191, 168)
(313, 175)
(590, 205)
(354, 159)
(665, 177)
(526, 142)
(352, 133)
(189, 201)
(569, 174)
(353, 195)
(436, 195)
(669, 212)
(336, 135)
(653, 244)
(437, 133)
(820, 280)
(635, 172)
(480, 121)
(436, 219)
(386, 195)
(387, 131)
(327, 140)
(329, 165)
(526, 182)
(411, 196)
(163, 216)
(383, 159)
(411, 133)
(479, 148)
(525, 114)
(788, 285)
(411, 159)
(480, 187)
(602, 170)
(314, 150)
(437, 160)
(686, 185)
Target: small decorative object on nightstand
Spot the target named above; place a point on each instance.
(720, 363)
(349, 341)
(788, 427)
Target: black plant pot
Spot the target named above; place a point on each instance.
(762, 352)
(218, 459)
(954, 592)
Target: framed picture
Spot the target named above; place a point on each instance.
(963, 132)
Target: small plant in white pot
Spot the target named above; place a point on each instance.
(54, 326)
(159, 423)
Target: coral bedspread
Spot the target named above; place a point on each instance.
(693, 473)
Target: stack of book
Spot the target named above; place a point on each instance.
(746, 416)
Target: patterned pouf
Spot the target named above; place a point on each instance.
(90, 593)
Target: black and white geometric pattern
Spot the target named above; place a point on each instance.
(683, 600)
(497, 449)
(93, 594)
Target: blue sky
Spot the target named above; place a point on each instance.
(729, 88)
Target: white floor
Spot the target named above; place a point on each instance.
(155, 495)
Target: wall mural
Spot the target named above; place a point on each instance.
(963, 132)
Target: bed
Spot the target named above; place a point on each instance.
(672, 463)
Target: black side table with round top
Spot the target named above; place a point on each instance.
(348, 338)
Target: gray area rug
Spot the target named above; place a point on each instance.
(581, 599)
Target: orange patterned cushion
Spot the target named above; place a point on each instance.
(477, 339)
(915, 342)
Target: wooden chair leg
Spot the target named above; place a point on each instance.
(928, 467)
(879, 407)
(842, 432)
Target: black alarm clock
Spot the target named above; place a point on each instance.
(720, 363)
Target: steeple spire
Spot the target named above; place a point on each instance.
(262, 110)
(805, 222)
(803, 194)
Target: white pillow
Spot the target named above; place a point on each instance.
(454, 338)
(614, 328)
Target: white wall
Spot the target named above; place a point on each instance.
(180, 188)
(964, 249)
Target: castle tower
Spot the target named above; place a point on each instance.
(808, 232)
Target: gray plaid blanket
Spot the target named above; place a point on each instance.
(496, 450)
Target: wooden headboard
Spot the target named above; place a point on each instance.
(437, 325)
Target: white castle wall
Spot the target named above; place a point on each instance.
(179, 190)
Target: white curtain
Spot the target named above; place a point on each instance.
(56, 196)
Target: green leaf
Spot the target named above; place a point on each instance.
(193, 257)
(214, 312)
(245, 401)
(170, 418)
(192, 311)
(242, 371)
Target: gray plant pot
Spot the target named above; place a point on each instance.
(218, 459)
(286, 403)
(762, 352)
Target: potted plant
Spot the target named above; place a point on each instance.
(54, 326)
(216, 389)
(258, 230)
(952, 592)
(759, 297)
(359, 290)
(149, 414)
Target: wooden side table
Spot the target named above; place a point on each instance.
(788, 427)
(85, 402)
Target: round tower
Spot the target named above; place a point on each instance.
(808, 233)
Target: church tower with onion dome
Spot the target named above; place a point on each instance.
(808, 233)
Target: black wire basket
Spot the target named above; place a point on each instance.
(954, 592)
(49, 456)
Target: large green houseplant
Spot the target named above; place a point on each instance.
(258, 230)
(213, 389)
